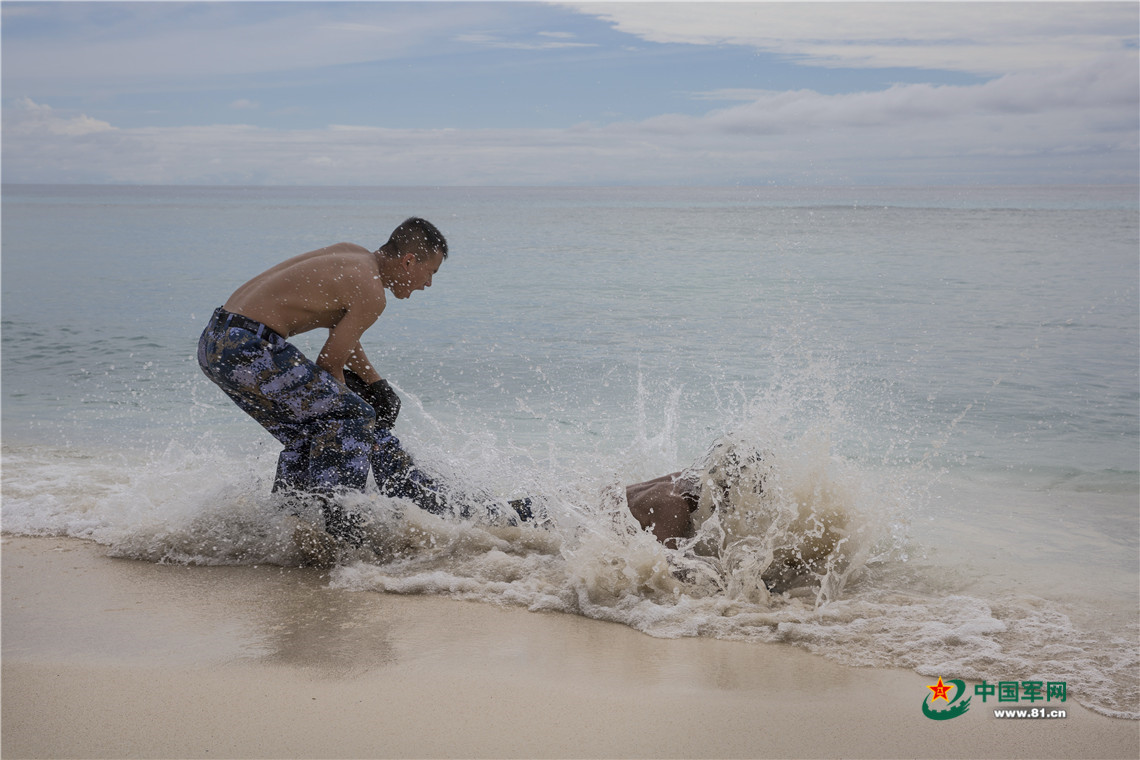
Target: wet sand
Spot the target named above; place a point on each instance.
(105, 657)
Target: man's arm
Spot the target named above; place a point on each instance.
(358, 363)
(343, 345)
(378, 393)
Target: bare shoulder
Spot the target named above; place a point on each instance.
(337, 250)
(351, 248)
(314, 289)
(341, 263)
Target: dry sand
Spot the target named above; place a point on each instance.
(116, 658)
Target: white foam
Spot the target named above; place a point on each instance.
(859, 591)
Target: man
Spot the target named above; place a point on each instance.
(735, 480)
(733, 470)
(332, 435)
(664, 506)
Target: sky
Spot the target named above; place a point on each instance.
(520, 93)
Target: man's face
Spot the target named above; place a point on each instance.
(415, 274)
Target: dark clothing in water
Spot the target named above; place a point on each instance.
(330, 434)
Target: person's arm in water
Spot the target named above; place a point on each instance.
(663, 505)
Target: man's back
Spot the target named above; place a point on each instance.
(312, 290)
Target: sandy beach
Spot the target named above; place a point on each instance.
(105, 657)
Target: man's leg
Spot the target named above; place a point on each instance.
(397, 476)
(293, 467)
(327, 431)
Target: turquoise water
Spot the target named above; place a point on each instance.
(954, 368)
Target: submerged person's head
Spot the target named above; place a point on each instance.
(790, 519)
(733, 465)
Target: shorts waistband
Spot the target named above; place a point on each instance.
(226, 319)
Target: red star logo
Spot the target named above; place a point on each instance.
(941, 691)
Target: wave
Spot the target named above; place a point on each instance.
(793, 544)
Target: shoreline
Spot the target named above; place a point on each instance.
(107, 657)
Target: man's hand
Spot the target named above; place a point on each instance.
(379, 394)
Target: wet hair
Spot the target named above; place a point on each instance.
(418, 237)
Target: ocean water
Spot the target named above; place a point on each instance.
(942, 383)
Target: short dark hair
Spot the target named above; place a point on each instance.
(418, 237)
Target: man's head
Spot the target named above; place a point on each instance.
(412, 255)
(418, 237)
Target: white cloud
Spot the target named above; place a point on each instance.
(981, 38)
(373, 29)
(1075, 124)
(1062, 106)
(30, 119)
(172, 43)
(244, 104)
(485, 39)
(1108, 86)
(729, 93)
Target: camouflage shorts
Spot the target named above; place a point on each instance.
(329, 433)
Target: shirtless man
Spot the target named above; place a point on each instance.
(332, 435)
(664, 506)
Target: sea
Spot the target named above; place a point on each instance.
(942, 383)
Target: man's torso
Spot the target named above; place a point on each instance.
(312, 290)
